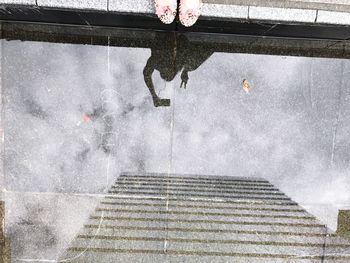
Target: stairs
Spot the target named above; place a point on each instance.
(177, 218)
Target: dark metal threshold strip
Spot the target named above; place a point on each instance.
(145, 21)
(121, 218)
(208, 253)
(211, 207)
(217, 231)
(215, 241)
(172, 212)
(140, 38)
(202, 200)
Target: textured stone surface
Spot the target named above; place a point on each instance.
(145, 6)
(282, 14)
(75, 4)
(329, 12)
(336, 5)
(328, 17)
(225, 11)
(18, 2)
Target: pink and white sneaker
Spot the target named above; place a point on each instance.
(189, 11)
(166, 10)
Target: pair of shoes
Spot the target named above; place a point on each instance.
(189, 11)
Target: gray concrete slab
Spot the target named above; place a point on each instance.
(135, 199)
(123, 232)
(192, 177)
(223, 259)
(234, 227)
(18, 2)
(243, 219)
(282, 14)
(126, 223)
(251, 249)
(137, 215)
(255, 237)
(334, 12)
(115, 243)
(236, 194)
(204, 210)
(225, 11)
(330, 17)
(329, 5)
(75, 4)
(143, 7)
(208, 205)
(91, 257)
(331, 12)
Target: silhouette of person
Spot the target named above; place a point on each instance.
(171, 54)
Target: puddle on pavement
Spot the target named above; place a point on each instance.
(75, 116)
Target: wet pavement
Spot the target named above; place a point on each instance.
(75, 116)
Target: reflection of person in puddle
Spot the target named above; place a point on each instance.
(170, 55)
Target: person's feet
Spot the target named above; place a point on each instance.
(189, 11)
(166, 10)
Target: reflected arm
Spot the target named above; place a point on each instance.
(147, 74)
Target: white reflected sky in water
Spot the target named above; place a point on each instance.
(291, 129)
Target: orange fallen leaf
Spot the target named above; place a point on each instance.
(246, 86)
